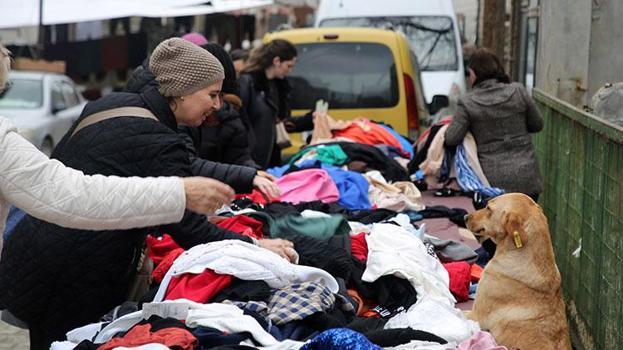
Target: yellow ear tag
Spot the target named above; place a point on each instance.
(517, 237)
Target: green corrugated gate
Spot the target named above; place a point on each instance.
(581, 159)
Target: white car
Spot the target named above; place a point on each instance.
(43, 106)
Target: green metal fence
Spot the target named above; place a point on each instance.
(581, 159)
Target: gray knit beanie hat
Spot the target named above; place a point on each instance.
(182, 67)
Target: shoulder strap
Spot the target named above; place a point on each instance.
(113, 113)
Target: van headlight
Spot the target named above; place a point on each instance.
(28, 134)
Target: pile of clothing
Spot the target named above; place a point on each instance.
(440, 166)
(368, 275)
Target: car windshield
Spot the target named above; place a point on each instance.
(347, 75)
(432, 37)
(23, 93)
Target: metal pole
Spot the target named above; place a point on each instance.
(477, 43)
(40, 32)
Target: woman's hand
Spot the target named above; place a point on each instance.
(267, 187)
(281, 247)
(262, 173)
(205, 196)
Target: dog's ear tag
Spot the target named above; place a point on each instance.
(517, 238)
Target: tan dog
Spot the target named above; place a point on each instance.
(519, 298)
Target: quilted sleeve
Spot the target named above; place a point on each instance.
(240, 178)
(48, 190)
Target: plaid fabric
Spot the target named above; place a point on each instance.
(299, 301)
(296, 302)
(430, 249)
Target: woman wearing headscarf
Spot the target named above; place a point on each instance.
(56, 279)
(48, 190)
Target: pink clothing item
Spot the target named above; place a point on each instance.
(195, 38)
(481, 341)
(307, 186)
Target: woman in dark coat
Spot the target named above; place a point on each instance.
(265, 94)
(223, 137)
(501, 115)
(56, 279)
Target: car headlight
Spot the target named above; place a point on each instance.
(28, 134)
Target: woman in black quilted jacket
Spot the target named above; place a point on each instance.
(55, 278)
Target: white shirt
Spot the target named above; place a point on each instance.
(245, 261)
(394, 251)
(48, 190)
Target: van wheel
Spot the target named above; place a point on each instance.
(47, 146)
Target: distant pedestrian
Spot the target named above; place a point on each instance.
(265, 93)
(240, 58)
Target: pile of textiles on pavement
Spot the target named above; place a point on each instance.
(368, 276)
(456, 168)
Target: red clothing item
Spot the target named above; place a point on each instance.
(141, 335)
(460, 277)
(369, 133)
(243, 225)
(160, 247)
(257, 197)
(476, 272)
(165, 265)
(359, 246)
(199, 288)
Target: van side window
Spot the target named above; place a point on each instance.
(433, 38)
(347, 75)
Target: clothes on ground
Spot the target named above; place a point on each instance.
(456, 215)
(326, 154)
(460, 278)
(365, 132)
(199, 288)
(450, 250)
(398, 196)
(359, 247)
(405, 144)
(178, 338)
(340, 339)
(393, 250)
(308, 185)
(293, 303)
(438, 318)
(321, 228)
(481, 341)
(353, 188)
(245, 261)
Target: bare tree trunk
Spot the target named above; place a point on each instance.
(493, 30)
(515, 53)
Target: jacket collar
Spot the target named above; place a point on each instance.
(261, 82)
(144, 83)
(485, 84)
(159, 105)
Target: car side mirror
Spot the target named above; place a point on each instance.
(438, 102)
(58, 107)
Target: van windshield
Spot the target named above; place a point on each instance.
(432, 37)
(347, 75)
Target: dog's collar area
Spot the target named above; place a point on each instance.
(517, 239)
